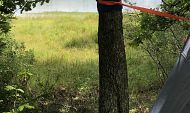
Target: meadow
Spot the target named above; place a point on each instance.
(65, 46)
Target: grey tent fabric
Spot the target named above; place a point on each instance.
(175, 95)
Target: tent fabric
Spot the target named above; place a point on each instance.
(175, 94)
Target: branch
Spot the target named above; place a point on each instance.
(154, 60)
(159, 63)
(165, 3)
(175, 37)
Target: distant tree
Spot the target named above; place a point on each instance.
(113, 93)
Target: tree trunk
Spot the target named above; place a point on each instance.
(113, 96)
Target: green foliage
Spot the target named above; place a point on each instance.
(162, 38)
(5, 23)
(176, 7)
(15, 63)
(14, 59)
(27, 106)
(24, 74)
(8, 7)
(14, 96)
(155, 22)
(158, 42)
(150, 23)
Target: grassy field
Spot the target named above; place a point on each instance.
(66, 51)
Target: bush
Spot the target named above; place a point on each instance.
(162, 43)
(13, 59)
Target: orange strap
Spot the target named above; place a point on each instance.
(185, 38)
(142, 9)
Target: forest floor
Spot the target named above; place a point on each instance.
(66, 52)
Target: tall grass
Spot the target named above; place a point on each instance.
(60, 36)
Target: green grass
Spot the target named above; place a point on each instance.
(141, 70)
(62, 36)
(66, 51)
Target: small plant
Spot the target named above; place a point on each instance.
(15, 100)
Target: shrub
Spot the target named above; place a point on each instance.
(13, 59)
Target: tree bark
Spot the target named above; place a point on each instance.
(113, 81)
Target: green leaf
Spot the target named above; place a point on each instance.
(9, 88)
(20, 90)
(20, 108)
(30, 74)
(17, 95)
(29, 106)
(76, 98)
(21, 74)
(1, 100)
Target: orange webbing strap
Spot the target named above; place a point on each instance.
(142, 9)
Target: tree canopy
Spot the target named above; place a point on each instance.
(9, 6)
(150, 23)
